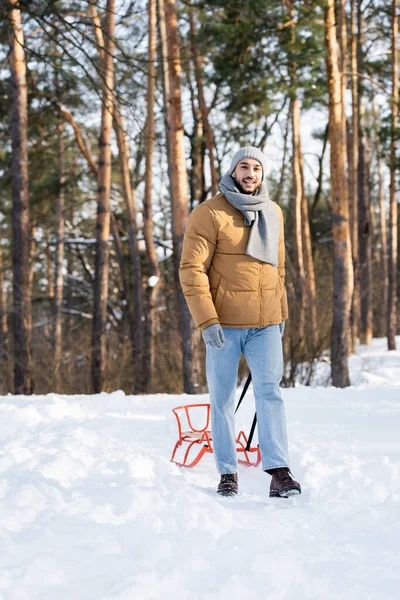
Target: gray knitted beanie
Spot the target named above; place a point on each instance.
(248, 152)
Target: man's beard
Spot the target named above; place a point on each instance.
(242, 190)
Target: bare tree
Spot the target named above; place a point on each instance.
(343, 268)
(22, 321)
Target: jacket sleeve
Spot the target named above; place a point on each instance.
(281, 267)
(198, 250)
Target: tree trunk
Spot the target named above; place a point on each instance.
(384, 278)
(152, 261)
(197, 185)
(49, 266)
(69, 300)
(342, 26)
(3, 318)
(364, 221)
(297, 195)
(382, 232)
(103, 209)
(353, 183)
(163, 56)
(364, 232)
(177, 169)
(392, 237)
(282, 177)
(342, 264)
(197, 194)
(130, 208)
(59, 280)
(198, 70)
(318, 191)
(22, 321)
(119, 253)
(136, 327)
(309, 272)
(79, 138)
(134, 317)
(305, 284)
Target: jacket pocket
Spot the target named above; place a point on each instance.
(220, 295)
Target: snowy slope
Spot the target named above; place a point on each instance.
(92, 509)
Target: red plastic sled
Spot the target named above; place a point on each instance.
(195, 437)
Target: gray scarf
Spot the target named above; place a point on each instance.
(260, 213)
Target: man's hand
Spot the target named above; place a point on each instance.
(282, 327)
(213, 336)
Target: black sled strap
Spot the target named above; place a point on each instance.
(242, 395)
(253, 426)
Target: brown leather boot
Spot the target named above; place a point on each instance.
(282, 483)
(228, 486)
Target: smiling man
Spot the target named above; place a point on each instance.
(233, 276)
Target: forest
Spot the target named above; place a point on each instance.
(118, 117)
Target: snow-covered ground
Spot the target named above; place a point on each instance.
(92, 509)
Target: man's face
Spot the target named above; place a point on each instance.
(248, 175)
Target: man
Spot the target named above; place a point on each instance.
(232, 274)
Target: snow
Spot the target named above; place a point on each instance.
(92, 508)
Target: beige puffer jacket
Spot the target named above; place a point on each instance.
(220, 283)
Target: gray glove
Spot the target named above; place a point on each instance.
(282, 327)
(213, 336)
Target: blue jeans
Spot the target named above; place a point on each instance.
(262, 349)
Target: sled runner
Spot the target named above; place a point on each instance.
(195, 438)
